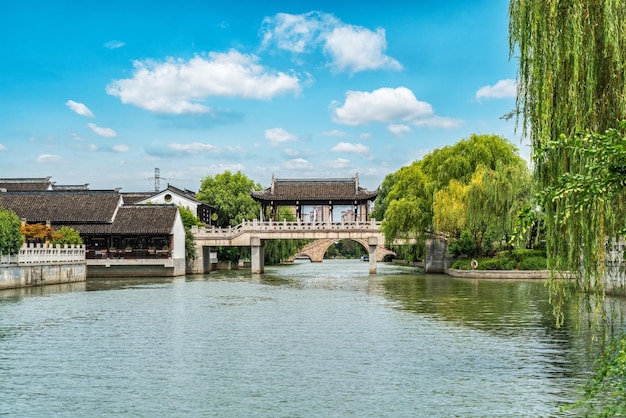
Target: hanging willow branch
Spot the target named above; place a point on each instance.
(571, 79)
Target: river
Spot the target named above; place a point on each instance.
(305, 340)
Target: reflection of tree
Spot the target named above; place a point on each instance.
(503, 308)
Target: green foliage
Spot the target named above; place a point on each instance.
(230, 195)
(381, 202)
(465, 245)
(533, 263)
(572, 61)
(608, 384)
(188, 218)
(11, 238)
(232, 254)
(497, 264)
(67, 235)
(346, 248)
(521, 254)
(278, 250)
(478, 184)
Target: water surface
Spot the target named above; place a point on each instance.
(306, 340)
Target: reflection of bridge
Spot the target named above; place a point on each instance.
(254, 233)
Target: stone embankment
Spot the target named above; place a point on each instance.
(38, 265)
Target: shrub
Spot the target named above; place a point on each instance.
(10, 236)
(464, 245)
(534, 263)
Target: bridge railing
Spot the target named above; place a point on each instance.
(270, 226)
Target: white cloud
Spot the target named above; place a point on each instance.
(355, 49)
(106, 132)
(297, 164)
(348, 147)
(291, 152)
(178, 86)
(439, 122)
(48, 158)
(120, 148)
(350, 48)
(396, 107)
(76, 137)
(91, 147)
(114, 44)
(503, 89)
(365, 135)
(399, 130)
(339, 163)
(2, 148)
(194, 148)
(79, 108)
(337, 133)
(385, 105)
(278, 136)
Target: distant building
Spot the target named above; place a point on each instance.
(320, 196)
(149, 237)
(179, 197)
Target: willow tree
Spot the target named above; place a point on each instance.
(571, 79)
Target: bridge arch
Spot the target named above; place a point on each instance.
(315, 250)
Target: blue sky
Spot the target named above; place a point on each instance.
(105, 92)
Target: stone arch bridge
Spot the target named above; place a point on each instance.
(255, 233)
(315, 250)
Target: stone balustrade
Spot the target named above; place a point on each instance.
(42, 254)
(277, 226)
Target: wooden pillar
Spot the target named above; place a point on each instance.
(373, 245)
(256, 255)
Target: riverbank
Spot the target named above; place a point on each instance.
(500, 274)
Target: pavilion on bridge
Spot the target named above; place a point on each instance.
(319, 197)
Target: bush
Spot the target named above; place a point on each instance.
(522, 254)
(534, 263)
(464, 245)
(10, 232)
(496, 264)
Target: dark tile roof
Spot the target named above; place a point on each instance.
(315, 190)
(144, 219)
(187, 193)
(130, 198)
(25, 184)
(132, 220)
(62, 206)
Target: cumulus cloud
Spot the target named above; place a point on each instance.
(79, 108)
(397, 106)
(48, 158)
(350, 48)
(503, 89)
(348, 147)
(178, 86)
(399, 130)
(106, 132)
(277, 136)
(297, 164)
(339, 163)
(120, 148)
(337, 133)
(194, 148)
(114, 44)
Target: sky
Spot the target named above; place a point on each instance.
(105, 92)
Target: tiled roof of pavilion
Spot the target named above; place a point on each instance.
(339, 189)
(88, 206)
(25, 184)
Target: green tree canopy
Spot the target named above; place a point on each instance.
(66, 235)
(478, 184)
(230, 195)
(11, 238)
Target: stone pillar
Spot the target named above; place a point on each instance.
(435, 255)
(197, 266)
(256, 255)
(372, 243)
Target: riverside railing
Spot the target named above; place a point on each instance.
(42, 254)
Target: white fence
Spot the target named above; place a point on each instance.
(41, 254)
(274, 226)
